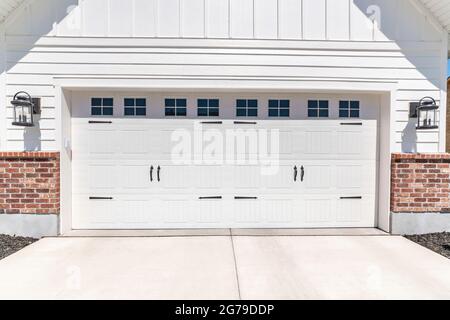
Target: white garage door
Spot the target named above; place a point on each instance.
(125, 177)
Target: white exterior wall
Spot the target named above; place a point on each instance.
(282, 42)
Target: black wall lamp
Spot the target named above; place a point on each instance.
(426, 113)
(24, 109)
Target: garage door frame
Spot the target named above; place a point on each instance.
(64, 87)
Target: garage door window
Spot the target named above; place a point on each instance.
(279, 108)
(102, 106)
(208, 107)
(246, 108)
(135, 106)
(349, 109)
(318, 109)
(175, 107)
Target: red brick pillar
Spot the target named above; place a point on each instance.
(420, 183)
(29, 183)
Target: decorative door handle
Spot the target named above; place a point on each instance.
(302, 173)
(295, 173)
(159, 169)
(151, 174)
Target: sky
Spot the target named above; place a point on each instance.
(448, 68)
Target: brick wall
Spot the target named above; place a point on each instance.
(29, 182)
(420, 183)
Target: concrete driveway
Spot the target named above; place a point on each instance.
(226, 267)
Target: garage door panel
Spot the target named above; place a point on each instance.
(210, 177)
(358, 143)
(299, 145)
(170, 140)
(242, 147)
(246, 177)
(349, 176)
(175, 177)
(349, 210)
(139, 143)
(122, 211)
(275, 141)
(247, 211)
(177, 211)
(281, 179)
(279, 209)
(95, 176)
(291, 138)
(135, 177)
(103, 212)
(318, 142)
(318, 210)
(103, 176)
(80, 176)
(118, 176)
(136, 212)
(286, 140)
(318, 177)
(114, 160)
(102, 142)
(332, 140)
(93, 214)
(354, 178)
(354, 211)
(340, 177)
(132, 142)
(209, 211)
(93, 140)
(334, 211)
(349, 143)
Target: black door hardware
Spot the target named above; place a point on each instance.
(100, 198)
(351, 124)
(244, 122)
(302, 173)
(295, 173)
(343, 198)
(245, 198)
(210, 198)
(159, 170)
(151, 174)
(211, 122)
(98, 121)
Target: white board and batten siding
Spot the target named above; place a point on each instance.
(280, 41)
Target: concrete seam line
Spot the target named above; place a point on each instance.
(235, 267)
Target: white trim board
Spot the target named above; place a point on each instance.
(387, 93)
(3, 130)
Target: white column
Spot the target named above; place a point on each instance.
(3, 101)
(443, 93)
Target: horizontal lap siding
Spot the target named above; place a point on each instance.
(284, 41)
(420, 183)
(29, 183)
(34, 70)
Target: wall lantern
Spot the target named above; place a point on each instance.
(426, 113)
(24, 109)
